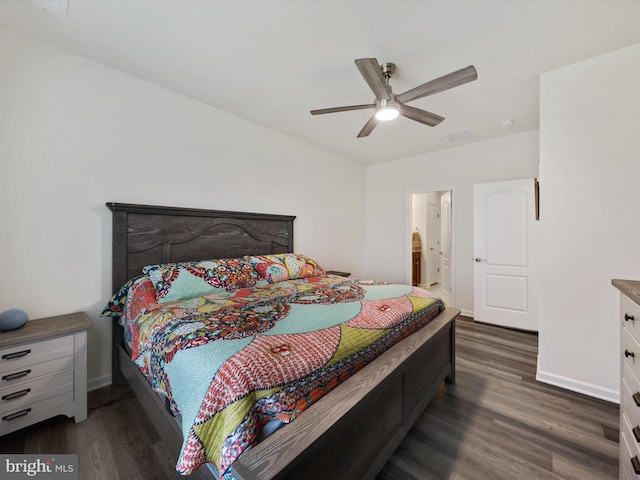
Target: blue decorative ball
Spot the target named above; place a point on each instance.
(13, 319)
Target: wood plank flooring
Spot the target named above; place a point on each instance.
(496, 423)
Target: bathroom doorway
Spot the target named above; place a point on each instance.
(431, 242)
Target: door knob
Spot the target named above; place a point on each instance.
(478, 259)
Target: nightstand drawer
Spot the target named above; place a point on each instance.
(25, 394)
(15, 358)
(630, 317)
(22, 416)
(629, 449)
(629, 420)
(626, 467)
(630, 353)
(630, 386)
(27, 373)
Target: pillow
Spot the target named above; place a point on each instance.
(269, 268)
(285, 266)
(116, 306)
(184, 280)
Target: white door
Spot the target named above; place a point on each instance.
(433, 244)
(505, 244)
(445, 243)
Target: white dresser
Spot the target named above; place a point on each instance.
(43, 371)
(630, 382)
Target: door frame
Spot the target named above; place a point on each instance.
(407, 234)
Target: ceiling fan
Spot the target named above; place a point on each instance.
(388, 105)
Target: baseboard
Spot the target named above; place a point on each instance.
(98, 382)
(578, 386)
(466, 313)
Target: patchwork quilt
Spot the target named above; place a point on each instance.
(230, 362)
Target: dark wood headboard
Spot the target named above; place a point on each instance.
(148, 235)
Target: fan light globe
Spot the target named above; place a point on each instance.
(387, 113)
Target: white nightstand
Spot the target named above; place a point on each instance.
(43, 371)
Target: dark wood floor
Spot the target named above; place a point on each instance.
(496, 423)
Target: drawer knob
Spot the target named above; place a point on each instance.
(10, 356)
(628, 317)
(13, 376)
(636, 464)
(627, 353)
(636, 398)
(636, 433)
(22, 413)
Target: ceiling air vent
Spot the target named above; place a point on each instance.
(460, 135)
(57, 7)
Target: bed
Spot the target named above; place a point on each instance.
(349, 432)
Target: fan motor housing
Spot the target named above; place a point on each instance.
(388, 69)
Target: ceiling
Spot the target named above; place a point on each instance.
(273, 61)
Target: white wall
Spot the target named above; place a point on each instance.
(75, 134)
(389, 189)
(590, 211)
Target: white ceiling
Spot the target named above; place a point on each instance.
(272, 61)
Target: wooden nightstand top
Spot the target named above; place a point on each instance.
(336, 272)
(42, 328)
(631, 288)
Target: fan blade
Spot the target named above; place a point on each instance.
(368, 127)
(342, 109)
(453, 79)
(421, 116)
(372, 73)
